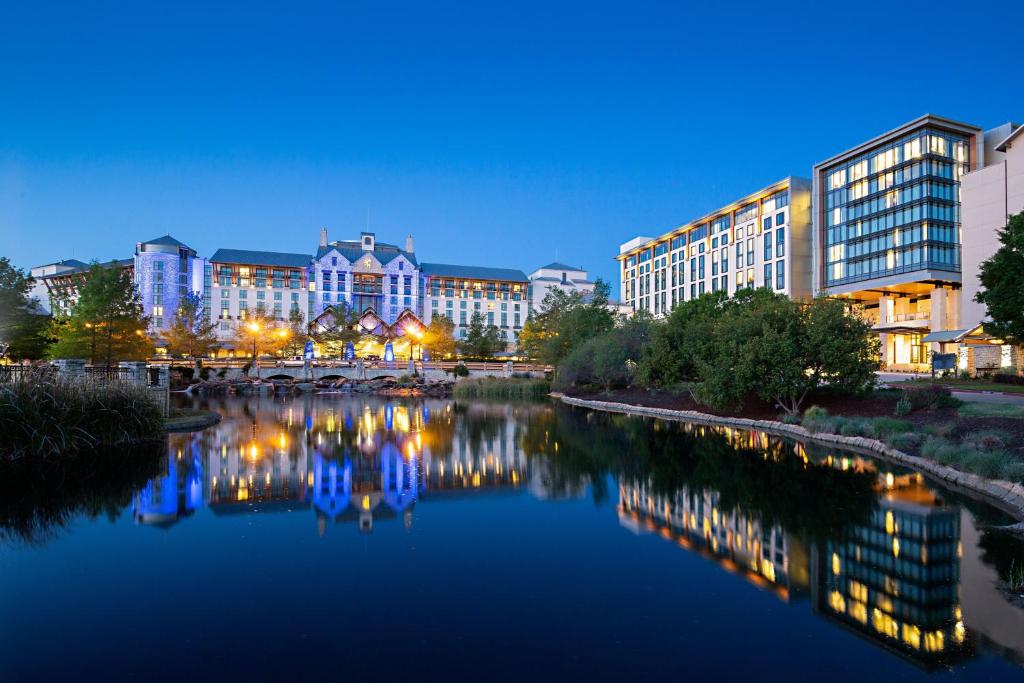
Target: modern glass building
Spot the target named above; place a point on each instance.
(887, 231)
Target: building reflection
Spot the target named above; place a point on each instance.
(894, 579)
(356, 461)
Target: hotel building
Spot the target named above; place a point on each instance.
(500, 295)
(760, 240)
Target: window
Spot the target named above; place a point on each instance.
(767, 246)
(780, 275)
(780, 243)
(739, 254)
(780, 218)
(768, 275)
(766, 223)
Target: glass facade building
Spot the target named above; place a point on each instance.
(895, 209)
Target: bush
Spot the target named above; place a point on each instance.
(1003, 377)
(460, 370)
(906, 441)
(903, 406)
(817, 419)
(608, 361)
(986, 441)
(42, 416)
(883, 427)
(930, 397)
(854, 427)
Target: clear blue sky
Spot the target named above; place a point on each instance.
(501, 134)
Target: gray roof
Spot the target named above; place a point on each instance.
(949, 336)
(560, 266)
(473, 272)
(70, 263)
(261, 258)
(166, 240)
(81, 267)
(353, 251)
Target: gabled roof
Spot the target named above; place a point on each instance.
(82, 267)
(473, 272)
(353, 251)
(67, 263)
(261, 258)
(167, 241)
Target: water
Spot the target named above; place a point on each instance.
(347, 537)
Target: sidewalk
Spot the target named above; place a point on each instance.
(978, 396)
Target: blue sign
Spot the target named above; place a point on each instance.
(350, 352)
(308, 354)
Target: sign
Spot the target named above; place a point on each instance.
(308, 353)
(943, 361)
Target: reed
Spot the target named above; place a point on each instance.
(511, 388)
(43, 416)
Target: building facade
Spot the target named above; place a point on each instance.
(760, 240)
(557, 276)
(888, 231)
(499, 295)
(165, 271)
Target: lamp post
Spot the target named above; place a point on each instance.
(254, 328)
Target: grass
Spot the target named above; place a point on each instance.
(44, 417)
(976, 409)
(1015, 578)
(514, 388)
(967, 384)
(982, 453)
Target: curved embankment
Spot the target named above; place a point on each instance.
(191, 423)
(1001, 494)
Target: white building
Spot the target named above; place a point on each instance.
(760, 240)
(557, 276)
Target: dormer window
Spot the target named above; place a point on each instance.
(401, 265)
(334, 260)
(367, 241)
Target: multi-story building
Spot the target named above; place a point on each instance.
(366, 275)
(500, 295)
(557, 276)
(64, 279)
(165, 271)
(760, 240)
(270, 283)
(887, 231)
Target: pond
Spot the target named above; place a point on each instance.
(350, 536)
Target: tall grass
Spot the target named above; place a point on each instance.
(510, 388)
(43, 416)
(979, 409)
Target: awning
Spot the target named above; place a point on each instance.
(952, 336)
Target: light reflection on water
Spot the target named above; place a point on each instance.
(869, 550)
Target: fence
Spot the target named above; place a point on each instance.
(12, 373)
(106, 373)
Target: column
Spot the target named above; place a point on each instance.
(137, 371)
(70, 369)
(939, 320)
(884, 304)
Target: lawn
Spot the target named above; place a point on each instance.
(966, 384)
(974, 409)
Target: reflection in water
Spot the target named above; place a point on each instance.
(871, 548)
(361, 461)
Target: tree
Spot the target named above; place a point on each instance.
(106, 322)
(260, 331)
(1002, 284)
(765, 344)
(345, 330)
(566, 320)
(298, 333)
(670, 358)
(482, 341)
(191, 332)
(608, 361)
(438, 337)
(22, 326)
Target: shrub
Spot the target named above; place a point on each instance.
(817, 419)
(905, 441)
(1012, 470)
(460, 370)
(855, 427)
(43, 416)
(930, 397)
(1004, 377)
(986, 441)
(903, 406)
(882, 427)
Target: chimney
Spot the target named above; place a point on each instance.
(323, 237)
(408, 244)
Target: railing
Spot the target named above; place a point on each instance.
(904, 317)
(13, 373)
(104, 373)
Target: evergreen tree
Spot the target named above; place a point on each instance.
(482, 341)
(1002, 282)
(106, 324)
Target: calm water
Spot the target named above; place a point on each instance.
(346, 537)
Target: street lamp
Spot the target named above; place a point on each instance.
(254, 327)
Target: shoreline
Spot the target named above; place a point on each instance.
(191, 423)
(1004, 495)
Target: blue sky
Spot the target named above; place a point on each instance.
(504, 135)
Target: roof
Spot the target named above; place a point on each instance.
(919, 122)
(262, 258)
(1008, 142)
(353, 251)
(474, 272)
(560, 266)
(166, 240)
(84, 267)
(69, 263)
(949, 336)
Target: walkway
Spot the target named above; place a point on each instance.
(895, 378)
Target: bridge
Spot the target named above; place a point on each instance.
(327, 370)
